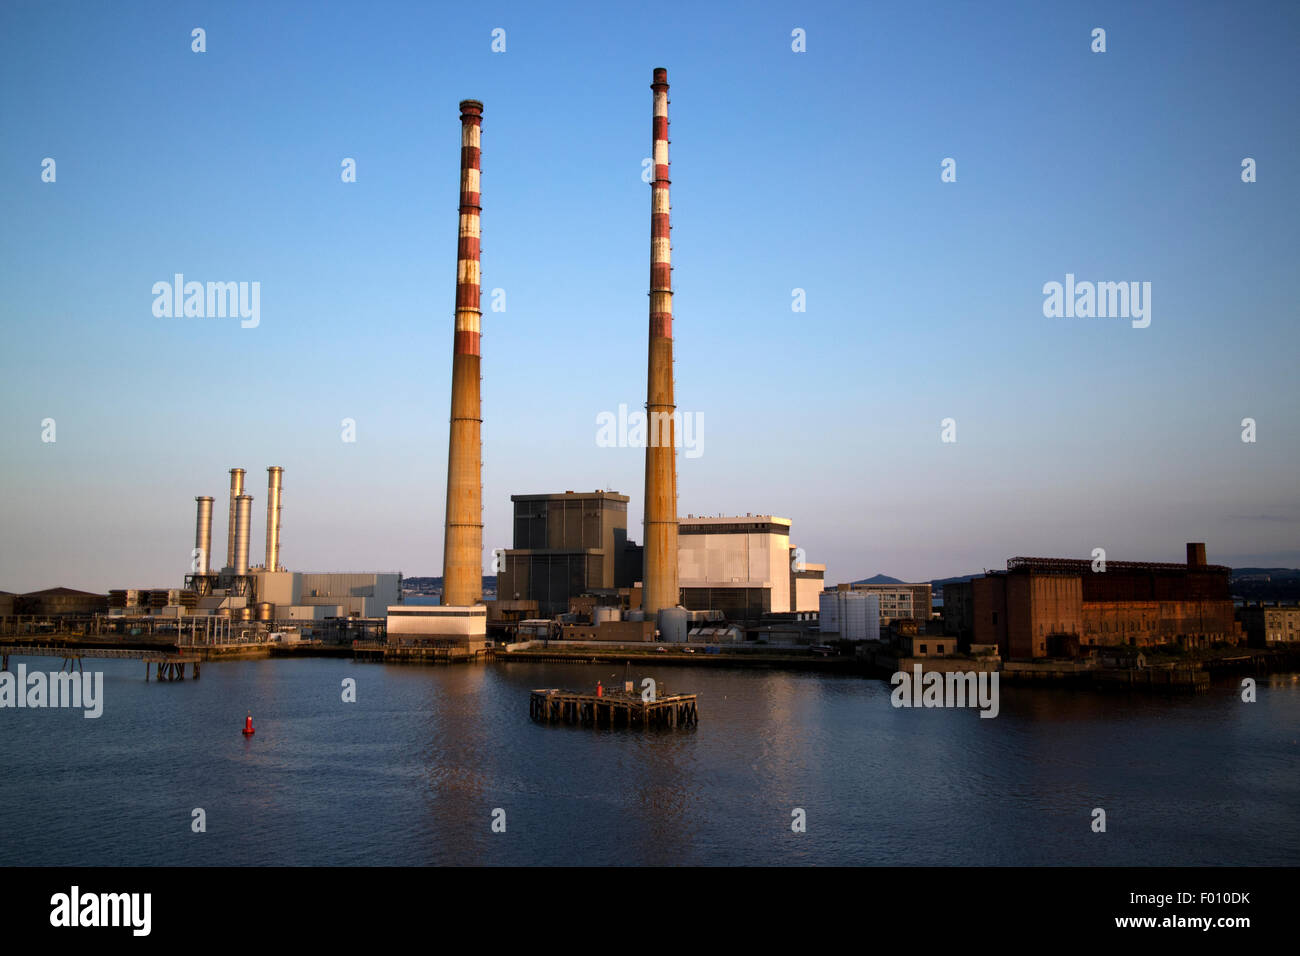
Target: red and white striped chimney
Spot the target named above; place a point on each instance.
(660, 575)
(462, 556)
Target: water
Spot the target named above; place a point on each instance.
(411, 773)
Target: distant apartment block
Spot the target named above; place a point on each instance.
(1270, 625)
(898, 602)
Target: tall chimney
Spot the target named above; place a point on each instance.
(462, 556)
(1196, 554)
(243, 515)
(236, 489)
(274, 477)
(203, 535)
(660, 575)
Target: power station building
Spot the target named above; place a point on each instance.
(574, 544)
(1060, 607)
(265, 592)
(567, 545)
(745, 567)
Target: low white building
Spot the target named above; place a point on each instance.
(435, 624)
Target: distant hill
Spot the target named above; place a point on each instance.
(1284, 573)
(1266, 584)
(937, 584)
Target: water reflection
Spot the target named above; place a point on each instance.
(411, 772)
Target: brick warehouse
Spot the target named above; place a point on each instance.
(1061, 607)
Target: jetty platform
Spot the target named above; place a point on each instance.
(165, 666)
(611, 708)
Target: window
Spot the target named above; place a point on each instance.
(923, 650)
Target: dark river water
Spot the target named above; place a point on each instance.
(412, 772)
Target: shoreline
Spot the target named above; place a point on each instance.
(1177, 675)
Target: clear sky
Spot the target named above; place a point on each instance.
(817, 170)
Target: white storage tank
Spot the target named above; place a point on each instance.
(828, 612)
(673, 624)
(601, 615)
(859, 616)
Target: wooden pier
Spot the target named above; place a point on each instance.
(166, 666)
(450, 652)
(612, 708)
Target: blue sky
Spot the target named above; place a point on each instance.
(817, 170)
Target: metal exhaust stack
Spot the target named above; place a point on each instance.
(243, 516)
(660, 575)
(236, 489)
(274, 480)
(203, 535)
(462, 568)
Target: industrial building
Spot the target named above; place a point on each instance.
(745, 567)
(1060, 607)
(269, 596)
(924, 645)
(571, 552)
(419, 624)
(567, 545)
(53, 602)
(239, 591)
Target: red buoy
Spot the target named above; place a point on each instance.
(248, 726)
(600, 691)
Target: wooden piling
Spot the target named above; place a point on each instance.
(553, 705)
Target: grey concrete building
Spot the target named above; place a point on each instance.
(565, 545)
